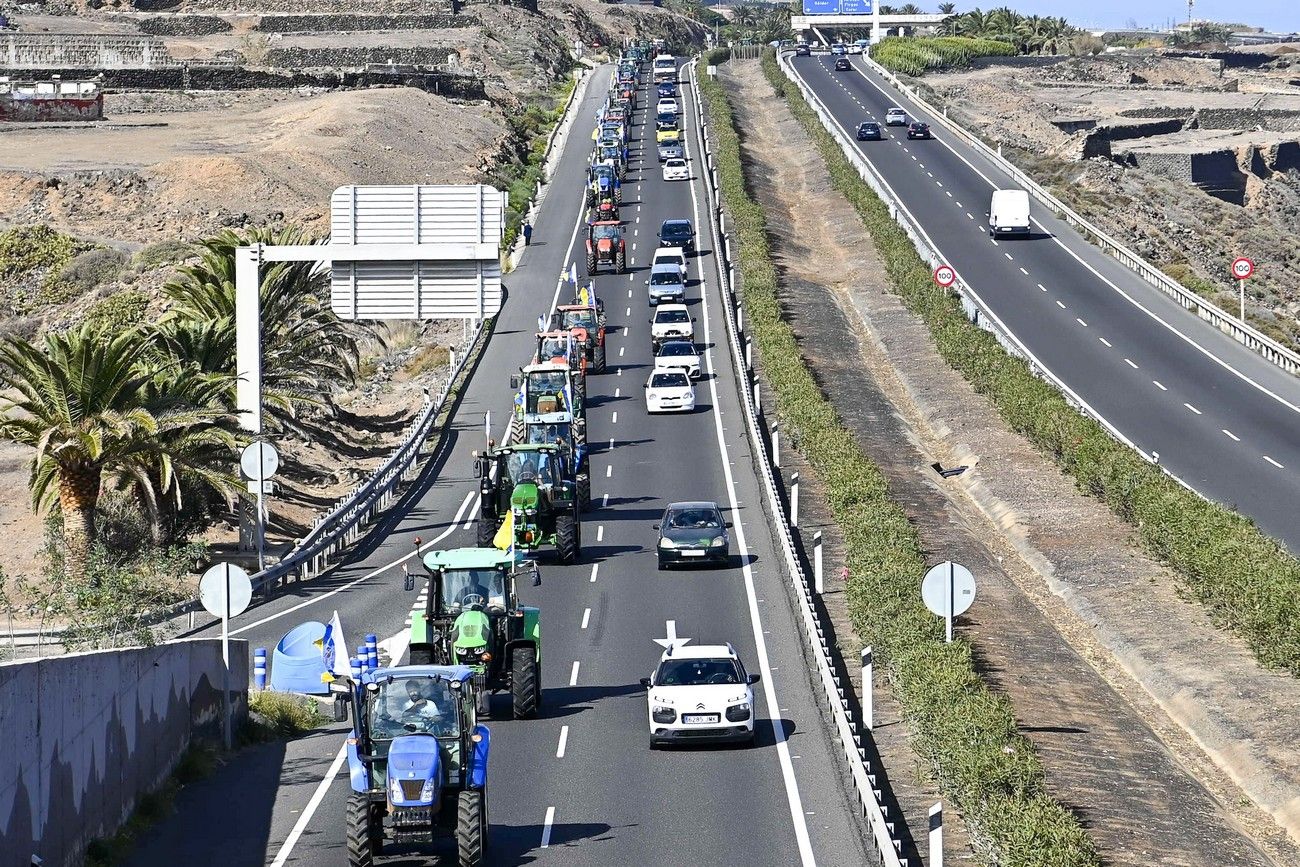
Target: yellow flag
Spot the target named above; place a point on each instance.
(506, 535)
(582, 296)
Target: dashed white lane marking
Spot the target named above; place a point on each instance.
(1008, 255)
(948, 194)
(968, 216)
(595, 569)
(1059, 304)
(994, 242)
(1023, 271)
(1156, 383)
(620, 351)
(1104, 342)
(1193, 409)
(1274, 463)
(1130, 363)
(618, 372)
(564, 739)
(616, 392)
(940, 183)
(604, 501)
(629, 312)
(609, 470)
(1041, 286)
(586, 617)
(600, 533)
(1081, 322)
(614, 418)
(629, 293)
(573, 678)
(546, 825)
(959, 204)
(1232, 436)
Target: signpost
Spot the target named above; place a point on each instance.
(945, 276)
(1242, 268)
(259, 461)
(225, 592)
(948, 590)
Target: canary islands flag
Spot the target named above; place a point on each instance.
(505, 536)
(334, 650)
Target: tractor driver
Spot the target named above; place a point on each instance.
(427, 707)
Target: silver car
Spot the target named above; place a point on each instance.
(671, 150)
(665, 284)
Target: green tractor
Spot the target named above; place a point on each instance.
(557, 428)
(472, 616)
(529, 499)
(546, 388)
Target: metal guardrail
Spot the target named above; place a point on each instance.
(887, 845)
(1241, 331)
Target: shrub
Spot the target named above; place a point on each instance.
(281, 715)
(915, 56)
(965, 734)
(24, 249)
(120, 311)
(161, 253)
(87, 271)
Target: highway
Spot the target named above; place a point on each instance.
(578, 786)
(1221, 418)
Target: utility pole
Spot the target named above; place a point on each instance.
(1190, 4)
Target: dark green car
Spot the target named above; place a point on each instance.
(691, 533)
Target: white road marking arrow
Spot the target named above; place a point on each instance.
(671, 638)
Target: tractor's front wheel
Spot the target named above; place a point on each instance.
(525, 684)
(591, 198)
(584, 491)
(486, 532)
(471, 827)
(365, 833)
(566, 538)
(516, 429)
(591, 263)
(620, 262)
(598, 358)
(618, 195)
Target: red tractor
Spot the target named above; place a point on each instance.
(587, 325)
(606, 246)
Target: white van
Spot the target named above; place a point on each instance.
(1009, 213)
(665, 69)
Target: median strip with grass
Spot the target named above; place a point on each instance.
(1248, 582)
(965, 734)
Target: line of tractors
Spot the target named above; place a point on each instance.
(418, 750)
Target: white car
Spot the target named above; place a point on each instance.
(669, 391)
(678, 355)
(700, 693)
(666, 106)
(670, 256)
(895, 117)
(676, 170)
(671, 322)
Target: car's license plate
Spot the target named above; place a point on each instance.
(699, 718)
(689, 552)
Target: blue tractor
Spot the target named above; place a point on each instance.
(417, 758)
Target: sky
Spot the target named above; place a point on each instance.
(1281, 16)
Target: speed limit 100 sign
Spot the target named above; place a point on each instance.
(1242, 268)
(944, 275)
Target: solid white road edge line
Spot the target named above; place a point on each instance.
(317, 796)
(797, 816)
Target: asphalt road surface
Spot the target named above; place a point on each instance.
(1221, 417)
(579, 785)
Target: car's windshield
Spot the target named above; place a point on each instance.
(602, 171)
(410, 705)
(677, 347)
(669, 380)
(676, 164)
(665, 278)
(696, 672)
(704, 519)
(603, 233)
(460, 584)
(676, 230)
(542, 382)
(537, 467)
(668, 316)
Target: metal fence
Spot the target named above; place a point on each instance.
(1240, 331)
(884, 839)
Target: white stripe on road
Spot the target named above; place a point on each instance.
(1273, 462)
(573, 678)
(586, 617)
(595, 567)
(564, 739)
(312, 805)
(546, 827)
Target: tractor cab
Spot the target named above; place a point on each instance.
(529, 499)
(604, 185)
(417, 758)
(560, 347)
(544, 388)
(587, 325)
(614, 152)
(559, 429)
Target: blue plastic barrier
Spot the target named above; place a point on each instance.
(296, 665)
(259, 668)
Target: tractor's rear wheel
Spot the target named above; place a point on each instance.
(584, 491)
(525, 685)
(620, 262)
(486, 531)
(591, 197)
(566, 538)
(365, 834)
(516, 430)
(598, 358)
(471, 827)
(591, 263)
(618, 195)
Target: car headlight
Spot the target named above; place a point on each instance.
(738, 712)
(665, 542)
(662, 714)
(652, 394)
(530, 512)
(718, 542)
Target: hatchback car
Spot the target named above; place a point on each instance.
(668, 105)
(671, 322)
(693, 532)
(700, 694)
(670, 150)
(678, 355)
(665, 285)
(666, 120)
(842, 64)
(677, 233)
(869, 131)
(669, 391)
(662, 135)
(666, 90)
(803, 49)
(918, 130)
(839, 49)
(676, 169)
(895, 117)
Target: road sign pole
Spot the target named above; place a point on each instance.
(225, 660)
(952, 592)
(261, 511)
(1241, 285)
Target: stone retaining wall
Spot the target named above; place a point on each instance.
(88, 51)
(1276, 119)
(184, 25)
(342, 22)
(347, 58)
(313, 7)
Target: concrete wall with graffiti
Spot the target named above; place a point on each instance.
(88, 733)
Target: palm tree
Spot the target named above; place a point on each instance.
(947, 8)
(888, 10)
(304, 346)
(909, 9)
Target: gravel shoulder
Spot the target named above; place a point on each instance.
(1101, 659)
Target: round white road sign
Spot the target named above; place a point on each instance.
(935, 588)
(945, 276)
(1242, 268)
(259, 455)
(222, 582)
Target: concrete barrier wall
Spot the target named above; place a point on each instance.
(96, 51)
(88, 733)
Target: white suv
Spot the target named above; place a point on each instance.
(895, 117)
(700, 694)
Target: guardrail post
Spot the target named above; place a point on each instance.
(818, 584)
(794, 500)
(868, 690)
(936, 835)
(259, 668)
(740, 318)
(749, 354)
(776, 446)
(758, 400)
